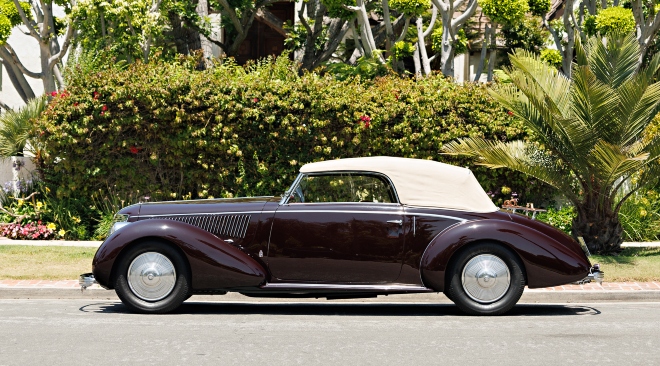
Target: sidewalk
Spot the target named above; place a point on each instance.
(592, 292)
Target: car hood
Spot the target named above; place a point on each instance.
(205, 206)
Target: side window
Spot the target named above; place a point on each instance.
(346, 187)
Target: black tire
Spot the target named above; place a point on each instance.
(503, 300)
(166, 300)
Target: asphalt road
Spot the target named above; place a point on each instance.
(84, 332)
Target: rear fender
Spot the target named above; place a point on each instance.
(214, 263)
(547, 262)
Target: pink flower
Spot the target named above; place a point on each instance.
(509, 113)
(95, 95)
(134, 150)
(365, 118)
(104, 108)
(53, 94)
(255, 100)
(366, 125)
(75, 104)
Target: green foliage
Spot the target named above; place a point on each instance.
(170, 131)
(539, 7)
(589, 25)
(460, 44)
(5, 29)
(561, 219)
(365, 67)
(17, 127)
(336, 9)
(505, 11)
(614, 19)
(640, 217)
(8, 9)
(402, 49)
(552, 57)
(410, 7)
(123, 27)
(527, 34)
(297, 37)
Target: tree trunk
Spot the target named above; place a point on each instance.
(447, 51)
(599, 226)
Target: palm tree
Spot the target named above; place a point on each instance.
(17, 127)
(589, 131)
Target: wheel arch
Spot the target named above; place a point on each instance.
(213, 262)
(546, 261)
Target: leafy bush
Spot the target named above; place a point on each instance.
(613, 19)
(552, 57)
(505, 11)
(561, 219)
(640, 217)
(170, 131)
(539, 7)
(410, 7)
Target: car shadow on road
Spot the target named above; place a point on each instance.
(346, 309)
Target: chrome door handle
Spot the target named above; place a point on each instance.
(399, 222)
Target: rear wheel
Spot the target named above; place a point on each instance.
(152, 278)
(486, 279)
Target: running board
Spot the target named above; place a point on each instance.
(319, 287)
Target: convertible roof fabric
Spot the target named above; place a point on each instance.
(418, 182)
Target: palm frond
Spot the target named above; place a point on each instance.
(611, 163)
(516, 155)
(614, 59)
(639, 105)
(17, 126)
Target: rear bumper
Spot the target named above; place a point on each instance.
(595, 274)
(85, 280)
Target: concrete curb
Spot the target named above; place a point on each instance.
(529, 296)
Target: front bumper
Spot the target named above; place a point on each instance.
(85, 280)
(595, 274)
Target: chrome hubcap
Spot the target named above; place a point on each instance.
(486, 278)
(151, 276)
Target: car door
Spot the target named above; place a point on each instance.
(338, 228)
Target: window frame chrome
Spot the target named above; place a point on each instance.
(287, 195)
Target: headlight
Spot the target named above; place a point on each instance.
(119, 221)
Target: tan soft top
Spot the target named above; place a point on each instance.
(418, 182)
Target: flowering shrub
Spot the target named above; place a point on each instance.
(170, 131)
(30, 231)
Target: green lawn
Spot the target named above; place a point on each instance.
(633, 264)
(22, 262)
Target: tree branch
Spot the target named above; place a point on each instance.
(271, 21)
(232, 16)
(27, 23)
(7, 50)
(65, 47)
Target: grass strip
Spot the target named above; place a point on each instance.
(631, 265)
(24, 262)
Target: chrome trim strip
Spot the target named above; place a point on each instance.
(322, 286)
(310, 211)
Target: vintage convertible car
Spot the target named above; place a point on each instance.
(347, 228)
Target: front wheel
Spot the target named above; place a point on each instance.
(486, 279)
(152, 278)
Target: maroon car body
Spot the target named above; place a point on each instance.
(273, 246)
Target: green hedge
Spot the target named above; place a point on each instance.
(169, 131)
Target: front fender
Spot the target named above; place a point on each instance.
(214, 263)
(547, 261)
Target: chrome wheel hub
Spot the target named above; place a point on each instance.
(151, 276)
(486, 278)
